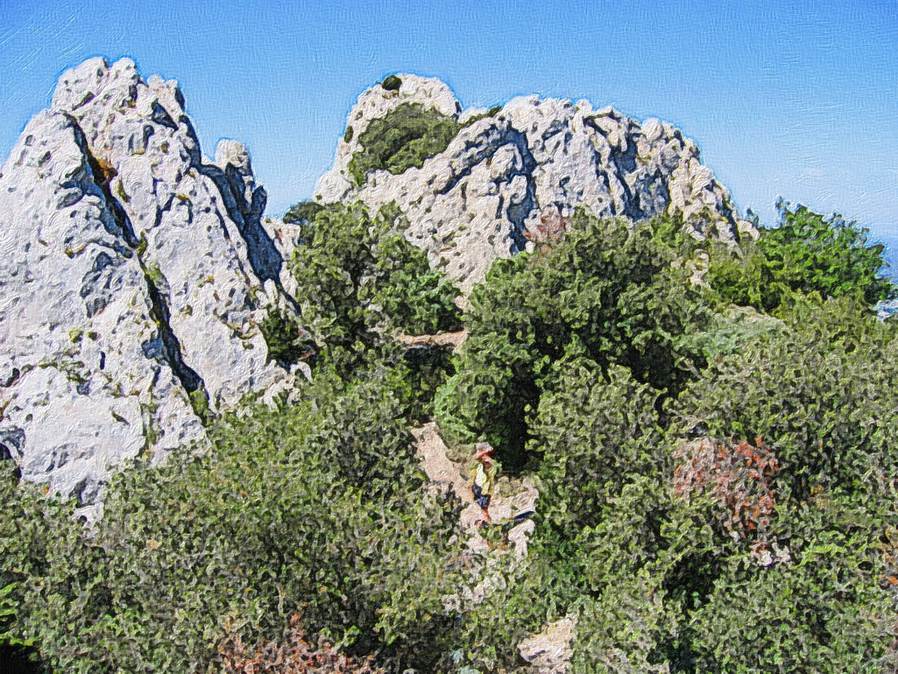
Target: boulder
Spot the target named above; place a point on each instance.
(550, 651)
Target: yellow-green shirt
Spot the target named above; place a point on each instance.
(485, 478)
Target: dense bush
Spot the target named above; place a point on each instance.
(407, 136)
(307, 509)
(819, 393)
(303, 212)
(358, 280)
(391, 83)
(617, 436)
(697, 517)
(295, 655)
(806, 253)
(287, 342)
(607, 292)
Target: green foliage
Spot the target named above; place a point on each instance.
(526, 596)
(348, 134)
(823, 612)
(605, 292)
(359, 280)
(617, 436)
(808, 254)
(7, 611)
(307, 509)
(303, 212)
(286, 340)
(818, 392)
(406, 137)
(656, 582)
(391, 83)
(199, 402)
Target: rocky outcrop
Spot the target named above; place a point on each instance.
(550, 651)
(133, 276)
(475, 201)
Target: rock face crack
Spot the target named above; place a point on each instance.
(188, 377)
(624, 163)
(264, 257)
(518, 212)
(100, 179)
(159, 310)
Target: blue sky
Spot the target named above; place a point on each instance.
(798, 100)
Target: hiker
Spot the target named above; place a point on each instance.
(483, 479)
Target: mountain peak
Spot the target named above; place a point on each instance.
(476, 199)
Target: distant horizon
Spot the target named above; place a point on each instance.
(800, 103)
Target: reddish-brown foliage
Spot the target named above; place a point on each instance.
(295, 655)
(737, 477)
(550, 230)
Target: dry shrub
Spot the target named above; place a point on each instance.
(294, 655)
(738, 478)
(549, 231)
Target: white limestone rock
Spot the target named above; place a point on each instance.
(375, 103)
(474, 201)
(550, 651)
(133, 276)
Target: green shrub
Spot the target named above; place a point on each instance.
(359, 279)
(391, 83)
(526, 596)
(717, 490)
(616, 435)
(824, 611)
(818, 393)
(287, 342)
(605, 292)
(805, 254)
(407, 136)
(491, 112)
(303, 212)
(307, 509)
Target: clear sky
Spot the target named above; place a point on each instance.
(791, 99)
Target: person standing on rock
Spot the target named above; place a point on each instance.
(483, 479)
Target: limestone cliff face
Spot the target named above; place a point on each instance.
(474, 201)
(133, 276)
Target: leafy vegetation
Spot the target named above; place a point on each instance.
(360, 280)
(407, 136)
(718, 486)
(605, 293)
(303, 509)
(391, 83)
(286, 340)
(806, 253)
(303, 212)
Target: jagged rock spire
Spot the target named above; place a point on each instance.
(133, 277)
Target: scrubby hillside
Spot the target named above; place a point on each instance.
(696, 432)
